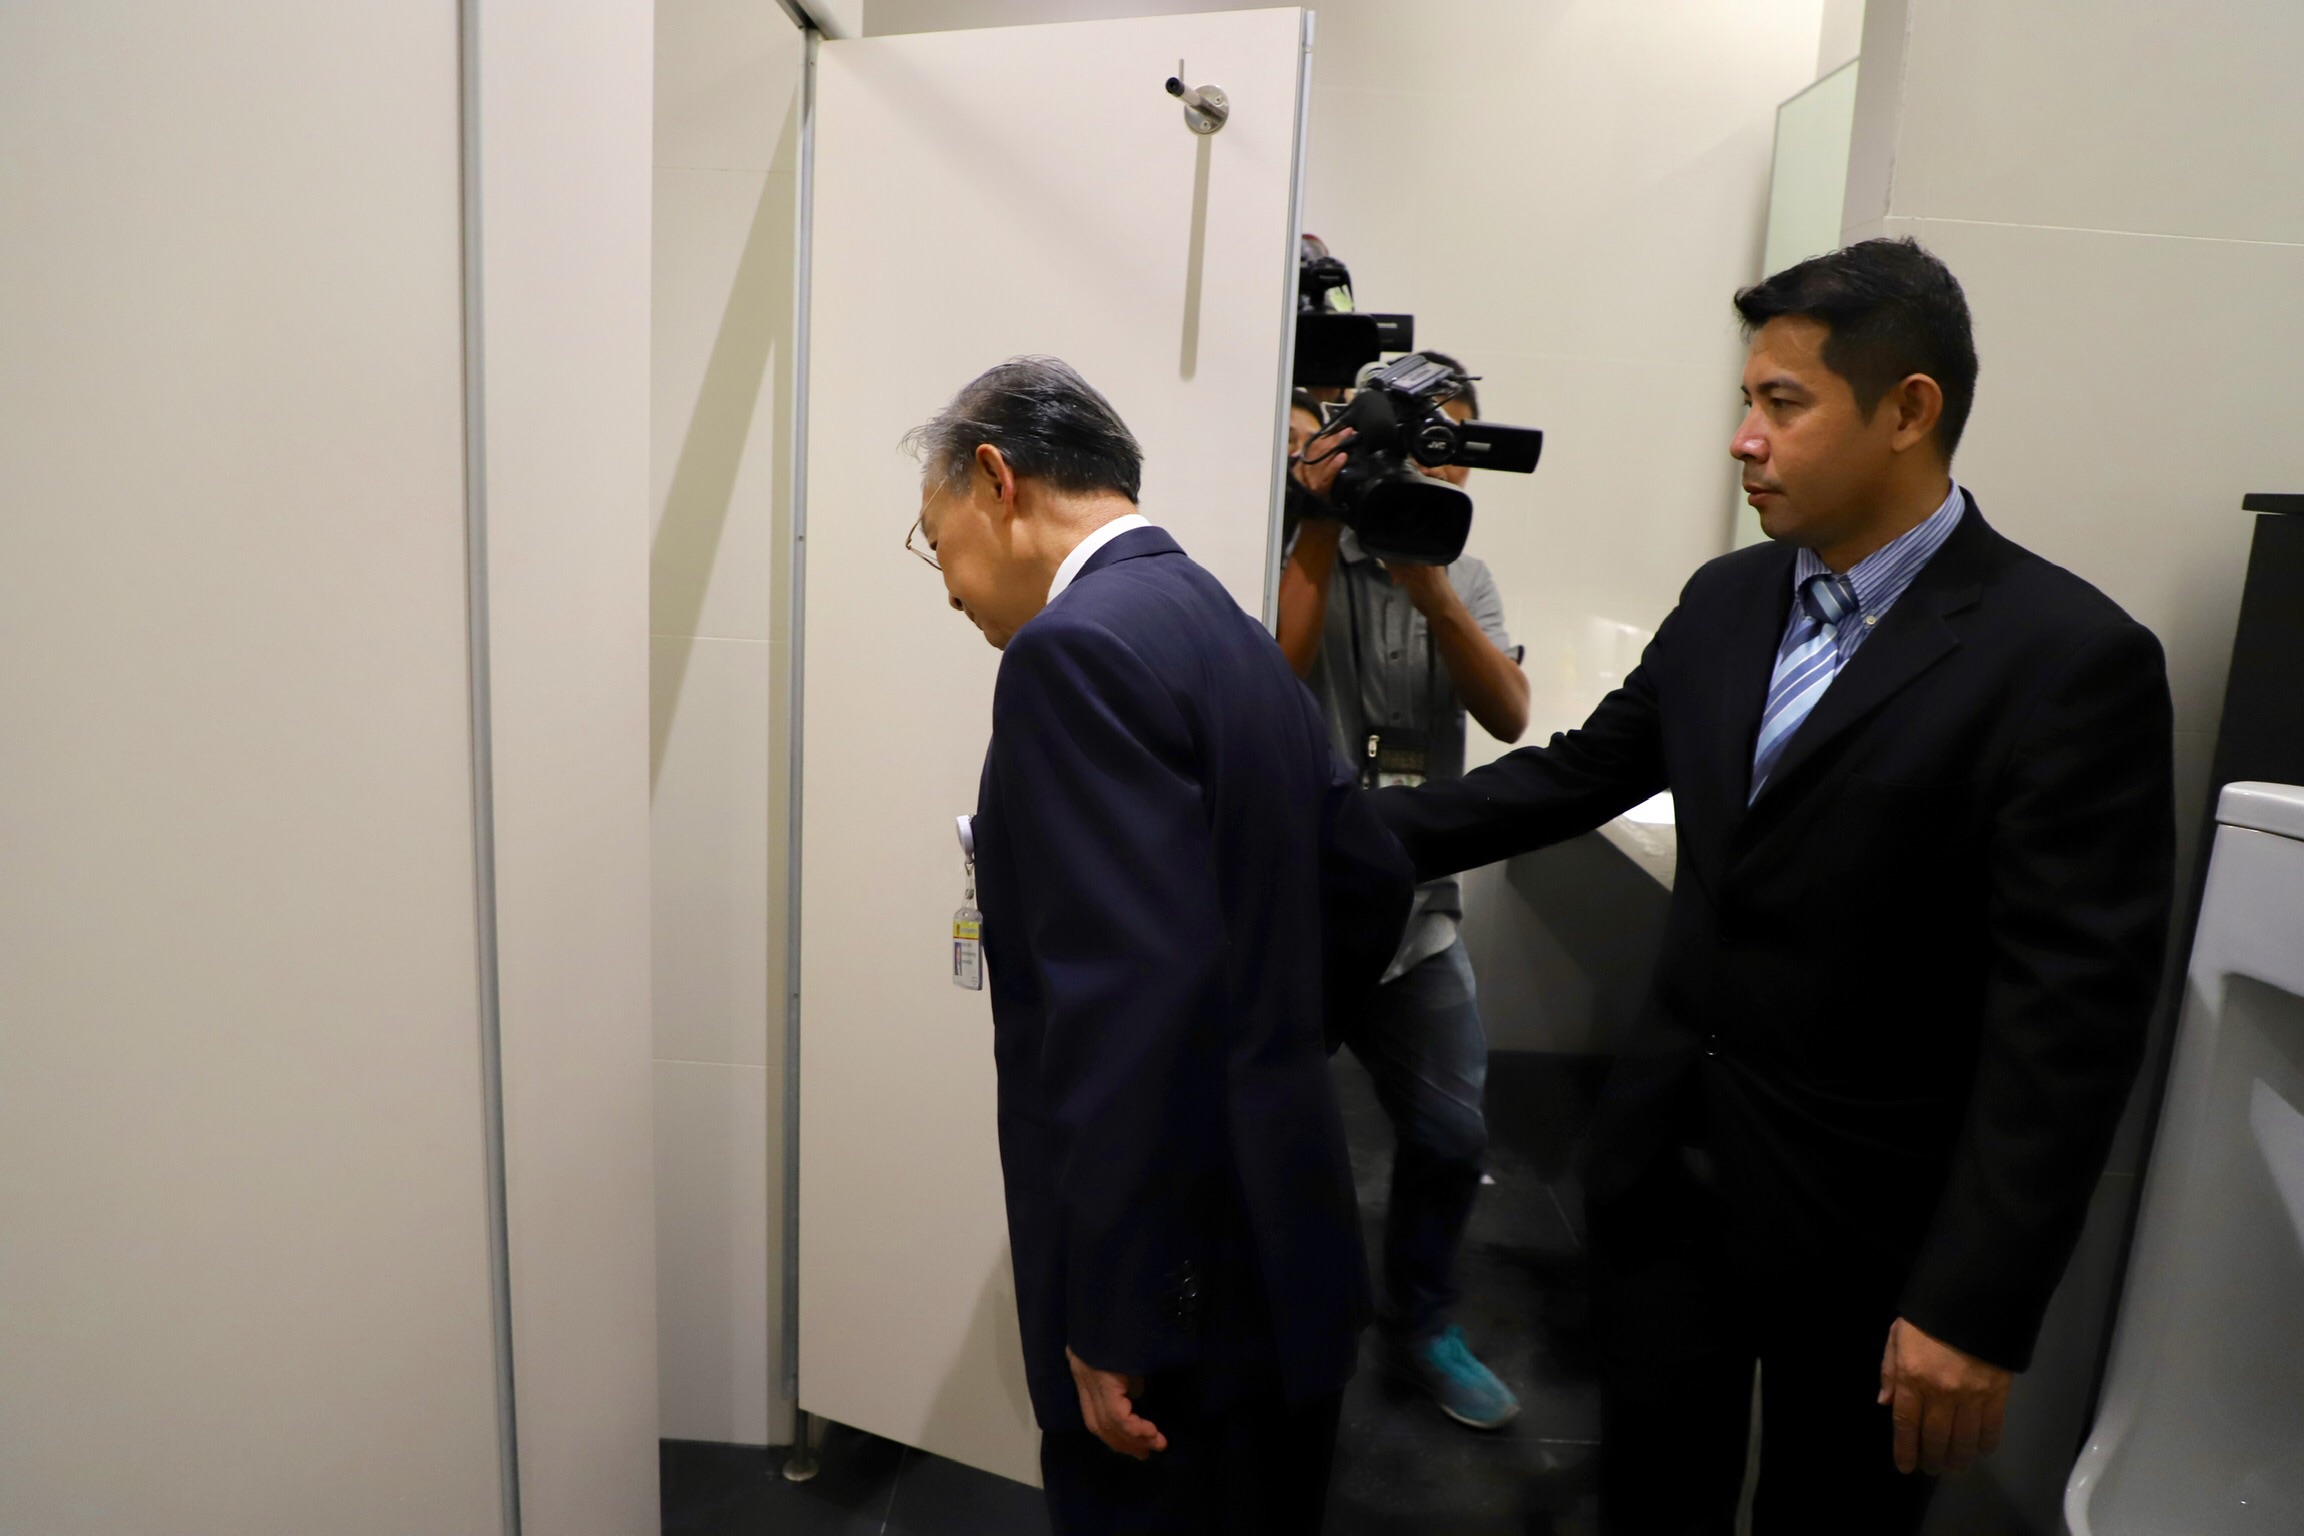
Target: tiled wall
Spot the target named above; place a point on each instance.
(727, 142)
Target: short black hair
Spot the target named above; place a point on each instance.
(1893, 310)
(1471, 394)
(1048, 423)
(1300, 399)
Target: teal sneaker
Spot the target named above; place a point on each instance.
(1448, 1372)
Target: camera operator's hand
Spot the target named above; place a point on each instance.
(1426, 585)
(1316, 466)
(1489, 682)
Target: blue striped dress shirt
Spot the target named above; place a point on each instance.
(1878, 580)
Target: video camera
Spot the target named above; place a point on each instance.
(1334, 341)
(1397, 512)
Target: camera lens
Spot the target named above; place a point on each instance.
(1435, 443)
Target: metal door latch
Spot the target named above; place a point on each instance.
(1205, 107)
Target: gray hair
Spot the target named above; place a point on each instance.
(1047, 422)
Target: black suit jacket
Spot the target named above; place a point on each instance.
(1177, 880)
(1903, 995)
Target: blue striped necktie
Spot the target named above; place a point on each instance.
(1805, 667)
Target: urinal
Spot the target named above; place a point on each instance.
(2200, 1431)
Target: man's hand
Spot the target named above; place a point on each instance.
(1323, 457)
(1425, 585)
(1947, 1405)
(1107, 1409)
(1488, 680)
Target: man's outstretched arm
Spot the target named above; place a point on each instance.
(1538, 795)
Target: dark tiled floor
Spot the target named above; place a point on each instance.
(1401, 1467)
(867, 1487)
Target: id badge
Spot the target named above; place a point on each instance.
(967, 922)
(1396, 759)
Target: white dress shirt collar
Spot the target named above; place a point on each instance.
(1083, 551)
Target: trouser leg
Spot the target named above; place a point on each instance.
(1427, 1054)
(1238, 1463)
(1677, 1354)
(1277, 1460)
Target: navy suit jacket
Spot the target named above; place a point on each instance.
(1903, 992)
(1178, 882)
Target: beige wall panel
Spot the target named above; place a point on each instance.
(716, 1216)
(2094, 440)
(2165, 119)
(727, 84)
(727, 95)
(722, 350)
(243, 1230)
(980, 195)
(710, 879)
(564, 113)
(1841, 35)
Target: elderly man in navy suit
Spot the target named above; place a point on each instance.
(1181, 888)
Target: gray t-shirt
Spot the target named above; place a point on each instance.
(1400, 684)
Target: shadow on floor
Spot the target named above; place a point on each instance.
(1401, 1466)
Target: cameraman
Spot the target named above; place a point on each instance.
(1396, 655)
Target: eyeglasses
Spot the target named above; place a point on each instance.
(919, 530)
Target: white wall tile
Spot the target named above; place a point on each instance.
(721, 344)
(727, 85)
(1841, 36)
(719, 1215)
(2133, 389)
(1579, 180)
(1635, 491)
(1879, 119)
(711, 876)
(2166, 119)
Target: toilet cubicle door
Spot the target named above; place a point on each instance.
(977, 196)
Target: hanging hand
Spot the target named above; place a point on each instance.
(1947, 1404)
(1107, 1407)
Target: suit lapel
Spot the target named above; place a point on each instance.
(1913, 638)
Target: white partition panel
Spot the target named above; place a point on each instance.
(562, 114)
(979, 195)
(244, 1239)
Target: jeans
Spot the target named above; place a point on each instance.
(1423, 1046)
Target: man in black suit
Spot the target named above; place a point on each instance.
(1178, 882)
(1923, 792)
